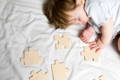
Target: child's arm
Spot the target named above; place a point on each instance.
(105, 38)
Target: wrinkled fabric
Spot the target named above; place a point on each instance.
(23, 25)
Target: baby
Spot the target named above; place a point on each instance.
(102, 17)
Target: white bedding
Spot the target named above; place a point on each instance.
(23, 25)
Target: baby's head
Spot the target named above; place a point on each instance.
(62, 13)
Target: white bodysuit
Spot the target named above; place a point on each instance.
(101, 10)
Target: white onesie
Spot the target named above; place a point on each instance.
(101, 10)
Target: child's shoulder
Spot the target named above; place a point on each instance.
(90, 3)
(97, 3)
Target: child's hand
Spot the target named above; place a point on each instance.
(87, 33)
(97, 45)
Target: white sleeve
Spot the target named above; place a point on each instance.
(99, 13)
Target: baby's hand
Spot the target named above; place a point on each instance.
(87, 33)
(85, 36)
(97, 45)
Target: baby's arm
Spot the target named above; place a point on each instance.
(106, 36)
(107, 32)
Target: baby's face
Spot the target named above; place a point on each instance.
(78, 16)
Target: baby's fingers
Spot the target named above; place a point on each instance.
(83, 39)
(92, 43)
(95, 48)
(98, 50)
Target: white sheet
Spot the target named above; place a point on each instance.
(23, 25)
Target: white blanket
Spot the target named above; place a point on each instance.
(23, 25)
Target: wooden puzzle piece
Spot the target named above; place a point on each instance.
(40, 75)
(89, 55)
(102, 77)
(59, 71)
(63, 41)
(31, 57)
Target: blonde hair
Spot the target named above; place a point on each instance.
(55, 11)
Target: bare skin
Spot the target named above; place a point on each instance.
(87, 33)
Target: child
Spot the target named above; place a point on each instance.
(104, 14)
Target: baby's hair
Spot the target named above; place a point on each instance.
(55, 11)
